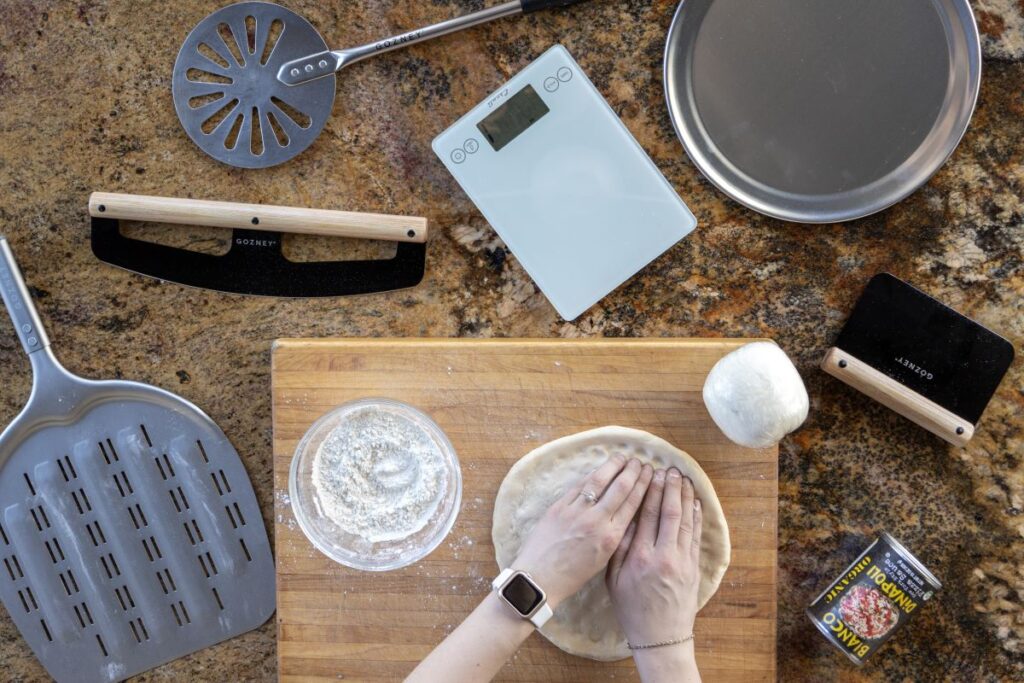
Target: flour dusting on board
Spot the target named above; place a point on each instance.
(379, 476)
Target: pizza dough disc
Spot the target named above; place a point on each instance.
(585, 624)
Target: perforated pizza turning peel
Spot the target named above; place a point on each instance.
(254, 82)
(129, 531)
(227, 93)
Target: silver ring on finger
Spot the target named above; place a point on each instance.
(589, 496)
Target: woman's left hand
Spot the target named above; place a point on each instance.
(654, 576)
(576, 537)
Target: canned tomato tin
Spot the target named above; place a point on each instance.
(873, 598)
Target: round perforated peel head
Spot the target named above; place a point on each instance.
(227, 93)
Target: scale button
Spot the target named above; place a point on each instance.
(471, 146)
(458, 156)
(551, 84)
(564, 74)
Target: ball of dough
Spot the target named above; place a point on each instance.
(755, 395)
(585, 624)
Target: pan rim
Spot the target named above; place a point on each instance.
(694, 141)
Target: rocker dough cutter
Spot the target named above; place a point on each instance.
(253, 83)
(255, 263)
(129, 531)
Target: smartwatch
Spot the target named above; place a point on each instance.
(520, 592)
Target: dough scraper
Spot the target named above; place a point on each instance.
(920, 358)
(254, 82)
(129, 531)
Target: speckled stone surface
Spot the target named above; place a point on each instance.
(85, 105)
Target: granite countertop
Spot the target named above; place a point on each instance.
(85, 105)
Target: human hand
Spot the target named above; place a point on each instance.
(654, 574)
(575, 538)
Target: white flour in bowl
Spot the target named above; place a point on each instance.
(379, 476)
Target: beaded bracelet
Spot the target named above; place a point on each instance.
(678, 641)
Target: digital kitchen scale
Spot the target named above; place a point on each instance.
(564, 183)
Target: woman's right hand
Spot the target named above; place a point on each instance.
(576, 537)
(654, 575)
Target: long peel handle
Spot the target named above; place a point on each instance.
(19, 303)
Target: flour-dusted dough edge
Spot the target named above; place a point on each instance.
(512, 500)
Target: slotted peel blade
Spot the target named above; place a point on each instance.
(130, 537)
(130, 534)
(227, 94)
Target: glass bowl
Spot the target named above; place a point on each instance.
(353, 550)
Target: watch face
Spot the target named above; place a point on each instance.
(522, 595)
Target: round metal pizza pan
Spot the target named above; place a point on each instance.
(821, 111)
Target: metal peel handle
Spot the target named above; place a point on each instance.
(312, 67)
(19, 303)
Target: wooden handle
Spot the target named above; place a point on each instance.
(897, 397)
(372, 226)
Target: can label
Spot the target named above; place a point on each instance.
(872, 599)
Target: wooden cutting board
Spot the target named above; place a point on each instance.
(497, 400)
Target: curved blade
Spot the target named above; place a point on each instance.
(227, 94)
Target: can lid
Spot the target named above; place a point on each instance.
(909, 557)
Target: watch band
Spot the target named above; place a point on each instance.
(541, 614)
(501, 579)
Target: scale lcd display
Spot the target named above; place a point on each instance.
(511, 119)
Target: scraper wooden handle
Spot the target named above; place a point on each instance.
(897, 397)
(132, 207)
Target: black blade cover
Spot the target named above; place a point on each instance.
(926, 346)
(256, 265)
